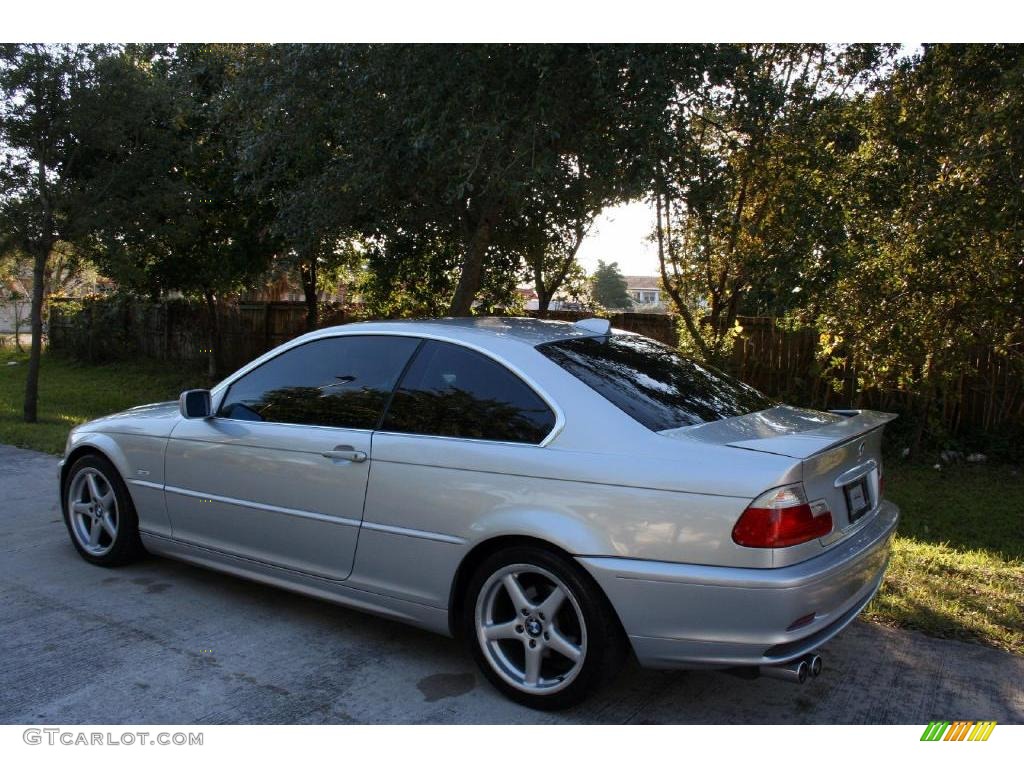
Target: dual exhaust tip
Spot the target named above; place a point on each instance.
(796, 671)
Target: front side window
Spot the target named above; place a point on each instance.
(652, 382)
(343, 381)
(451, 391)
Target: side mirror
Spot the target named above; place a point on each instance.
(195, 404)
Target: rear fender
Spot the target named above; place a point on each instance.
(558, 528)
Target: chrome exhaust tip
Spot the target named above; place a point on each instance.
(814, 664)
(793, 672)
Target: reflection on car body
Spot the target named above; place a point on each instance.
(557, 494)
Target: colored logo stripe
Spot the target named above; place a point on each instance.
(958, 730)
(982, 730)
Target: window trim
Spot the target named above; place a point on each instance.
(555, 428)
(218, 395)
(220, 390)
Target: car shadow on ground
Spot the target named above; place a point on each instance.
(167, 642)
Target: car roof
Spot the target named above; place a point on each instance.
(526, 330)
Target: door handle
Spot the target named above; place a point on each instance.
(345, 453)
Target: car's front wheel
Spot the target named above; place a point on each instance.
(99, 513)
(542, 632)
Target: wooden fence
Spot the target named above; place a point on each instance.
(781, 362)
(176, 330)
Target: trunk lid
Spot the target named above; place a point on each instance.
(840, 453)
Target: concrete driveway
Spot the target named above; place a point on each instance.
(163, 642)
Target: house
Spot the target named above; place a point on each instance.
(66, 277)
(15, 303)
(645, 292)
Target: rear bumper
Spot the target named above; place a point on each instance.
(679, 615)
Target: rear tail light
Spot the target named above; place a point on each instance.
(782, 517)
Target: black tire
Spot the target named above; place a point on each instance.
(603, 640)
(126, 546)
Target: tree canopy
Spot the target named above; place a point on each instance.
(869, 193)
(45, 133)
(609, 287)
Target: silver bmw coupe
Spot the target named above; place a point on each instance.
(556, 494)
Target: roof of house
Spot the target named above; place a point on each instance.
(642, 282)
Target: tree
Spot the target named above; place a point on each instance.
(934, 203)
(459, 139)
(609, 287)
(290, 129)
(743, 193)
(552, 260)
(483, 156)
(40, 141)
(551, 226)
(412, 274)
(68, 269)
(167, 215)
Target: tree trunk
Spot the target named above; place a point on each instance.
(546, 290)
(921, 425)
(543, 303)
(42, 253)
(543, 293)
(307, 272)
(723, 298)
(32, 379)
(472, 268)
(670, 287)
(214, 352)
(731, 313)
(925, 398)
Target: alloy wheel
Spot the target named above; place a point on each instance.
(92, 506)
(531, 629)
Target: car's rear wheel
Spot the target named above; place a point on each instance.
(99, 513)
(542, 632)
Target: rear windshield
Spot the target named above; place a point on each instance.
(652, 382)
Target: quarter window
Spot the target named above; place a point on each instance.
(451, 391)
(652, 382)
(343, 381)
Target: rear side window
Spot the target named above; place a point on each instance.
(451, 391)
(652, 382)
(343, 381)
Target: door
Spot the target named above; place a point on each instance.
(279, 474)
(457, 435)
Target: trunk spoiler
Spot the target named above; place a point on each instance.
(807, 443)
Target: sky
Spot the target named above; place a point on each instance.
(621, 234)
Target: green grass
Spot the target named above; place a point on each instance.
(957, 566)
(71, 393)
(958, 561)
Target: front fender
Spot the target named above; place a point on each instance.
(139, 459)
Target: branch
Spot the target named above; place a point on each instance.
(671, 287)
